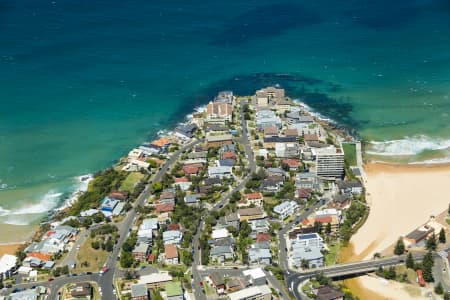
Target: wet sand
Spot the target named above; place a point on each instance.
(16, 233)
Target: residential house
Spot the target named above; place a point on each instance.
(286, 209)
(185, 131)
(141, 252)
(171, 254)
(110, 207)
(192, 199)
(259, 256)
(217, 282)
(167, 196)
(272, 184)
(134, 165)
(342, 200)
(139, 292)
(136, 153)
(191, 170)
(307, 240)
(312, 256)
(287, 150)
(354, 187)
(267, 118)
(256, 276)
(164, 218)
(173, 237)
(229, 155)
(255, 199)
(119, 195)
(236, 284)
(253, 213)
(259, 292)
(174, 291)
(296, 117)
(329, 215)
(198, 119)
(221, 253)
(220, 172)
(291, 132)
(258, 226)
(198, 155)
(306, 180)
(155, 280)
(220, 234)
(214, 141)
(270, 142)
(183, 183)
(232, 219)
(308, 138)
(164, 208)
(303, 193)
(219, 113)
(226, 163)
(214, 181)
(271, 131)
(216, 129)
(272, 172)
(293, 164)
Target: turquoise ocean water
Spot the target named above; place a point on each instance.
(82, 82)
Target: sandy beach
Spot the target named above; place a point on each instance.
(9, 248)
(401, 197)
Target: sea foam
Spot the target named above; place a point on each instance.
(407, 146)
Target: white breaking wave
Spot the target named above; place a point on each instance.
(407, 146)
(81, 186)
(313, 113)
(47, 203)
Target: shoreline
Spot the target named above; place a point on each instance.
(402, 197)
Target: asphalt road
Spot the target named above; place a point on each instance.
(244, 140)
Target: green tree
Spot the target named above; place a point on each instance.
(156, 295)
(431, 242)
(157, 186)
(126, 259)
(1, 283)
(328, 229)
(446, 296)
(438, 289)
(399, 247)
(427, 266)
(410, 261)
(442, 238)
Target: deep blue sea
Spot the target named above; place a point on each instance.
(82, 82)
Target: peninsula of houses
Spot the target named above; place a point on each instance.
(229, 205)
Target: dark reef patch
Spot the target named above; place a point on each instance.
(314, 92)
(264, 22)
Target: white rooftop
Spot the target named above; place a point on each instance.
(7, 262)
(220, 233)
(254, 273)
(155, 277)
(250, 292)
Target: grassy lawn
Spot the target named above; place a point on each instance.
(331, 257)
(132, 179)
(95, 258)
(350, 153)
(448, 221)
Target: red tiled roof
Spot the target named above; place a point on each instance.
(171, 251)
(292, 163)
(151, 257)
(181, 179)
(324, 219)
(190, 170)
(164, 207)
(173, 227)
(304, 193)
(311, 137)
(229, 155)
(253, 196)
(161, 142)
(41, 256)
(263, 237)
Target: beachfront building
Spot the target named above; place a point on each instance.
(268, 95)
(111, 207)
(219, 113)
(286, 209)
(8, 264)
(330, 162)
(224, 97)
